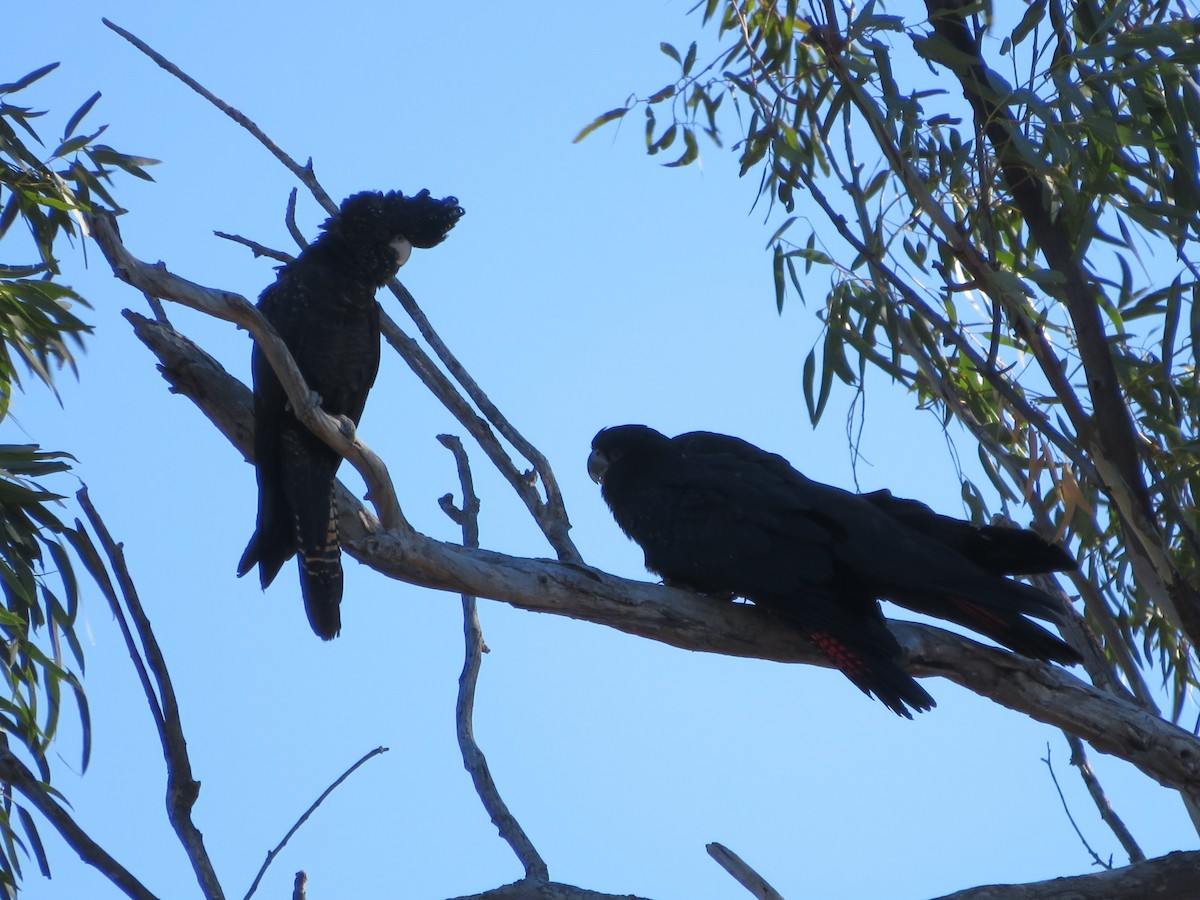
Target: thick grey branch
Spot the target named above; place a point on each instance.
(337, 433)
(690, 621)
(1175, 876)
(545, 890)
(301, 878)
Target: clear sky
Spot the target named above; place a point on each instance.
(586, 286)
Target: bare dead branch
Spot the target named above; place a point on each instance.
(551, 516)
(14, 772)
(338, 433)
(473, 758)
(301, 878)
(440, 385)
(300, 886)
(1107, 813)
(1166, 753)
(182, 788)
(303, 173)
(1096, 858)
(742, 872)
(256, 248)
(1175, 876)
(545, 890)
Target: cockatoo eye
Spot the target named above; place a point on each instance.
(403, 248)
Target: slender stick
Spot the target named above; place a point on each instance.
(301, 878)
(1067, 809)
(1107, 813)
(742, 872)
(473, 759)
(304, 173)
(182, 787)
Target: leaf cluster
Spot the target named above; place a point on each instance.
(40, 653)
(946, 276)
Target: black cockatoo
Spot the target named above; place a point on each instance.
(718, 515)
(323, 306)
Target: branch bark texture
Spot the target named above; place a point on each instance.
(689, 621)
(1175, 876)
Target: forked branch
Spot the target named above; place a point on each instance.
(550, 514)
(683, 619)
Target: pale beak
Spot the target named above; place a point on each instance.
(403, 248)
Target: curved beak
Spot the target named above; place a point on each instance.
(597, 466)
(403, 247)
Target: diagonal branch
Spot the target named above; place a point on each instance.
(274, 853)
(1109, 428)
(551, 515)
(182, 788)
(338, 433)
(14, 772)
(742, 872)
(553, 525)
(1107, 813)
(1166, 753)
(303, 173)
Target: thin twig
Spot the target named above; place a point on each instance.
(257, 248)
(1067, 809)
(304, 173)
(1107, 813)
(742, 872)
(13, 772)
(473, 758)
(300, 876)
(182, 787)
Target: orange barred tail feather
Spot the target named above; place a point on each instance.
(874, 673)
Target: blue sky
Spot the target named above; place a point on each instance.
(586, 286)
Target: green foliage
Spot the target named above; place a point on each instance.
(980, 250)
(39, 334)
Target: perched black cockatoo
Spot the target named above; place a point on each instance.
(718, 515)
(323, 306)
